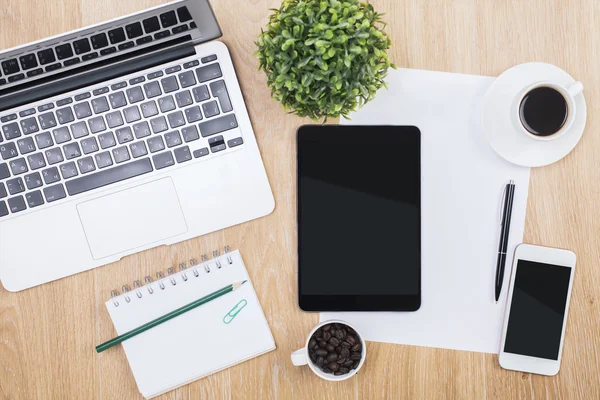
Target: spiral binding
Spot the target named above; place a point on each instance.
(161, 277)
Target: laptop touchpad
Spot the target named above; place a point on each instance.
(132, 218)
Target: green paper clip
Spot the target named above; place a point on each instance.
(234, 311)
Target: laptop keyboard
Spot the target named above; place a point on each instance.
(109, 134)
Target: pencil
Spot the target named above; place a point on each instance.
(166, 317)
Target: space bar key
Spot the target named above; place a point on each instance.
(108, 176)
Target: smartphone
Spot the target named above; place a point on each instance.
(536, 311)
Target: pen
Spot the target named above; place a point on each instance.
(509, 194)
(166, 317)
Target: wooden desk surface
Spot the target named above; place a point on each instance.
(48, 333)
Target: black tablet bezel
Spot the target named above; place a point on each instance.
(317, 303)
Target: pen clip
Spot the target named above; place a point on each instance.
(503, 202)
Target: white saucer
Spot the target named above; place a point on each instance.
(512, 144)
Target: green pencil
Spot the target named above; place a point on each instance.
(172, 314)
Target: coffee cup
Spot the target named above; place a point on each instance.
(545, 110)
(301, 357)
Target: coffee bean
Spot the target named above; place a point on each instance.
(326, 336)
(343, 370)
(329, 348)
(332, 357)
(350, 339)
(322, 344)
(338, 349)
(333, 366)
(312, 343)
(333, 330)
(326, 370)
(334, 341)
(337, 373)
(321, 352)
(318, 333)
(320, 361)
(355, 365)
(355, 356)
(345, 344)
(341, 360)
(356, 347)
(344, 352)
(351, 331)
(348, 363)
(339, 334)
(313, 357)
(337, 326)
(326, 327)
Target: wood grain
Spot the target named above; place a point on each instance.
(48, 333)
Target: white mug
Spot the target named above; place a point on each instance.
(568, 92)
(300, 357)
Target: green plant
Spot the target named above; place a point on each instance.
(323, 58)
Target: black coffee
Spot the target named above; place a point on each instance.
(335, 349)
(543, 111)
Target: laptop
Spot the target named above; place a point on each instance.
(120, 137)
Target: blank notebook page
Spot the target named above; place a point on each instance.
(199, 342)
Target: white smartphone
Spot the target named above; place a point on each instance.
(536, 310)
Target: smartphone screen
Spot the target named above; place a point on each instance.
(537, 310)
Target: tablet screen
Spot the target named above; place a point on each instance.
(359, 196)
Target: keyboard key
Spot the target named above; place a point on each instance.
(116, 35)
(187, 78)
(86, 165)
(210, 58)
(184, 14)
(208, 72)
(18, 166)
(4, 171)
(179, 29)
(64, 51)
(168, 19)
(89, 56)
(3, 209)
(156, 74)
(159, 124)
(200, 152)
(173, 138)
(121, 154)
(109, 176)
(15, 186)
(139, 79)
(26, 145)
(102, 90)
(8, 150)
(34, 199)
(210, 109)
(100, 40)
(117, 99)
(152, 89)
(163, 160)
(182, 154)
(68, 170)
(201, 93)
(89, 145)
(82, 110)
(103, 159)
(16, 204)
(50, 175)
(235, 142)
(10, 66)
(215, 141)
(72, 150)
(114, 119)
(183, 98)
(36, 161)
(53, 67)
(145, 39)
(190, 134)
(53, 193)
(28, 61)
(126, 45)
(64, 115)
(97, 124)
(11, 131)
(193, 114)
(79, 130)
(138, 149)
(218, 148)
(134, 30)
(218, 125)
(173, 69)
(72, 61)
(62, 135)
(156, 144)
(63, 102)
(34, 72)
(132, 114)
(166, 103)
(44, 140)
(8, 118)
(83, 96)
(46, 56)
(219, 90)
(135, 94)
(54, 156)
(3, 192)
(108, 50)
(47, 120)
(191, 64)
(45, 107)
(162, 35)
(124, 135)
(33, 180)
(29, 126)
(141, 130)
(14, 78)
(106, 140)
(26, 113)
(176, 119)
(151, 24)
(81, 46)
(100, 105)
(119, 85)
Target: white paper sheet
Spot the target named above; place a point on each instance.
(462, 184)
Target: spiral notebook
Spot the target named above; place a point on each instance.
(217, 335)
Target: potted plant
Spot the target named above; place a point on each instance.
(324, 58)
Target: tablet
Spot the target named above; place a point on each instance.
(359, 218)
